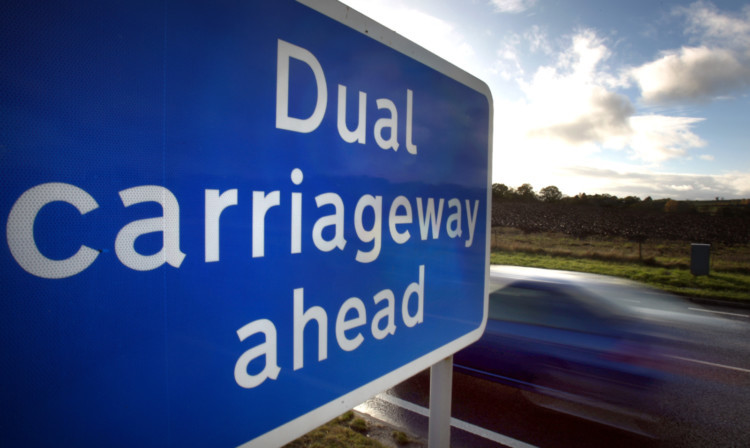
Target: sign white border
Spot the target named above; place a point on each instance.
(305, 423)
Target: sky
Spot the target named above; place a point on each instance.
(629, 98)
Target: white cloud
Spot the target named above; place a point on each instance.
(507, 63)
(592, 174)
(570, 101)
(705, 20)
(571, 115)
(607, 116)
(692, 73)
(635, 180)
(706, 157)
(657, 138)
(717, 65)
(512, 6)
(537, 40)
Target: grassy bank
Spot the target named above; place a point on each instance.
(344, 432)
(662, 264)
(350, 431)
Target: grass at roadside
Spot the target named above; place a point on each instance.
(719, 285)
(342, 432)
(657, 253)
(351, 430)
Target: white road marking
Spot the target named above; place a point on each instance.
(460, 424)
(739, 369)
(719, 312)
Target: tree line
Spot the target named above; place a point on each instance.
(501, 192)
(552, 195)
(720, 221)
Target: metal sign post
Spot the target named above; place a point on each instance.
(441, 383)
(226, 224)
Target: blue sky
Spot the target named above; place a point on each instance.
(644, 98)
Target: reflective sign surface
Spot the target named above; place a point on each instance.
(226, 222)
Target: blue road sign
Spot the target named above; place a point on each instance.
(226, 223)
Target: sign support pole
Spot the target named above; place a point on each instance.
(441, 382)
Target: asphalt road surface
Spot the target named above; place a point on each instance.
(707, 405)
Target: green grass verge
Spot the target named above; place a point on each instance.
(730, 286)
(342, 432)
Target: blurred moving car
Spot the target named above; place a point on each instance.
(593, 346)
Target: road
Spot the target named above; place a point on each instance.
(708, 403)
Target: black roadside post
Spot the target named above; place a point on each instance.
(700, 255)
